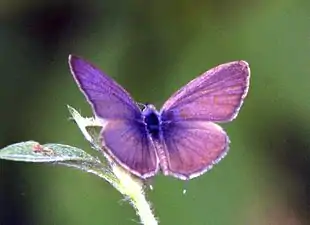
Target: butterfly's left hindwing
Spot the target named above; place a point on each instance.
(131, 147)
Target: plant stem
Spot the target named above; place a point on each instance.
(144, 210)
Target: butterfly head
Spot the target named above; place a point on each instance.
(147, 107)
(149, 110)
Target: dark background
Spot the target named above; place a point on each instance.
(153, 48)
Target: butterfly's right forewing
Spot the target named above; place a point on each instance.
(216, 95)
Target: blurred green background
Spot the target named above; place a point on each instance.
(153, 48)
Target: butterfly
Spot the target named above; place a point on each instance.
(182, 139)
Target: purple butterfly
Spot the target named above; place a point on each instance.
(181, 139)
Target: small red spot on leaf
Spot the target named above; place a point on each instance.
(40, 149)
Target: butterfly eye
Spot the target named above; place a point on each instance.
(142, 106)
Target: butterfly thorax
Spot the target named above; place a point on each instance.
(152, 120)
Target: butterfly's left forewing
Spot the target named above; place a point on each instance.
(107, 98)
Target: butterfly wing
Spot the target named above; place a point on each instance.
(192, 142)
(216, 95)
(192, 148)
(107, 98)
(130, 145)
(124, 136)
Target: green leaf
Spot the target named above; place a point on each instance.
(32, 151)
